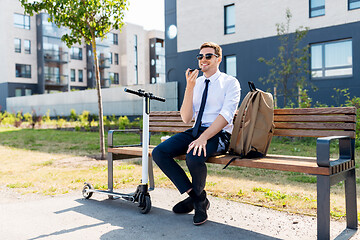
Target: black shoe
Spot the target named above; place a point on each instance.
(200, 216)
(201, 204)
(185, 206)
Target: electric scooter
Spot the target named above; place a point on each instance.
(141, 195)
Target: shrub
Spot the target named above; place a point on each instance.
(123, 122)
(84, 119)
(73, 115)
(18, 119)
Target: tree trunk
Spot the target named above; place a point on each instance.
(98, 89)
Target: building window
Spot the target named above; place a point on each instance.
(17, 45)
(114, 78)
(229, 19)
(230, 65)
(331, 59)
(111, 58)
(317, 8)
(23, 70)
(72, 75)
(27, 46)
(115, 39)
(353, 4)
(21, 21)
(80, 75)
(116, 58)
(28, 92)
(136, 60)
(18, 92)
(76, 53)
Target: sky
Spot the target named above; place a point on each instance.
(146, 13)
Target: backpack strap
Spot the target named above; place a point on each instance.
(252, 86)
(231, 160)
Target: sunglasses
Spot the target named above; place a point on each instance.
(207, 56)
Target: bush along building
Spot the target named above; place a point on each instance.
(247, 31)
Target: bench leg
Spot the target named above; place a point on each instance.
(323, 207)
(350, 196)
(110, 172)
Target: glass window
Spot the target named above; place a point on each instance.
(317, 8)
(111, 58)
(72, 75)
(80, 75)
(230, 65)
(76, 53)
(331, 59)
(17, 45)
(27, 46)
(116, 56)
(116, 78)
(18, 92)
(21, 21)
(115, 39)
(28, 92)
(353, 4)
(23, 70)
(229, 19)
(111, 76)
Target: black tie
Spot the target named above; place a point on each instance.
(201, 111)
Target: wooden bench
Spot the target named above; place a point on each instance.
(326, 124)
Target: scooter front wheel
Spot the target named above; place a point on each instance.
(145, 205)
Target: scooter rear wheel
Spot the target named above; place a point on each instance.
(85, 193)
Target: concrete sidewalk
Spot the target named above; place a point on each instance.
(72, 217)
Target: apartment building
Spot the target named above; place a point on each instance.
(246, 30)
(36, 61)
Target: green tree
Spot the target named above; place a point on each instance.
(87, 20)
(288, 70)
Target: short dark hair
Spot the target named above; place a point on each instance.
(216, 47)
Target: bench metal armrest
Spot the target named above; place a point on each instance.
(111, 138)
(346, 150)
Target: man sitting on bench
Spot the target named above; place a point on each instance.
(212, 99)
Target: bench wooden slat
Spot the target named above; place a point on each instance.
(168, 129)
(164, 113)
(170, 124)
(314, 125)
(312, 133)
(165, 119)
(316, 111)
(314, 118)
(273, 162)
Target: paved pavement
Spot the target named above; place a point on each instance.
(72, 217)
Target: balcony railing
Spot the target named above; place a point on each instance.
(105, 82)
(56, 79)
(104, 62)
(56, 56)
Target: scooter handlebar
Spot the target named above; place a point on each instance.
(142, 93)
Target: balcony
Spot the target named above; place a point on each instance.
(56, 56)
(104, 62)
(56, 80)
(105, 82)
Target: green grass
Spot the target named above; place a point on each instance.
(58, 141)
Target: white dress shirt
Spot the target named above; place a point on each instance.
(223, 98)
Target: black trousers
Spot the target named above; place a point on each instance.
(164, 154)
